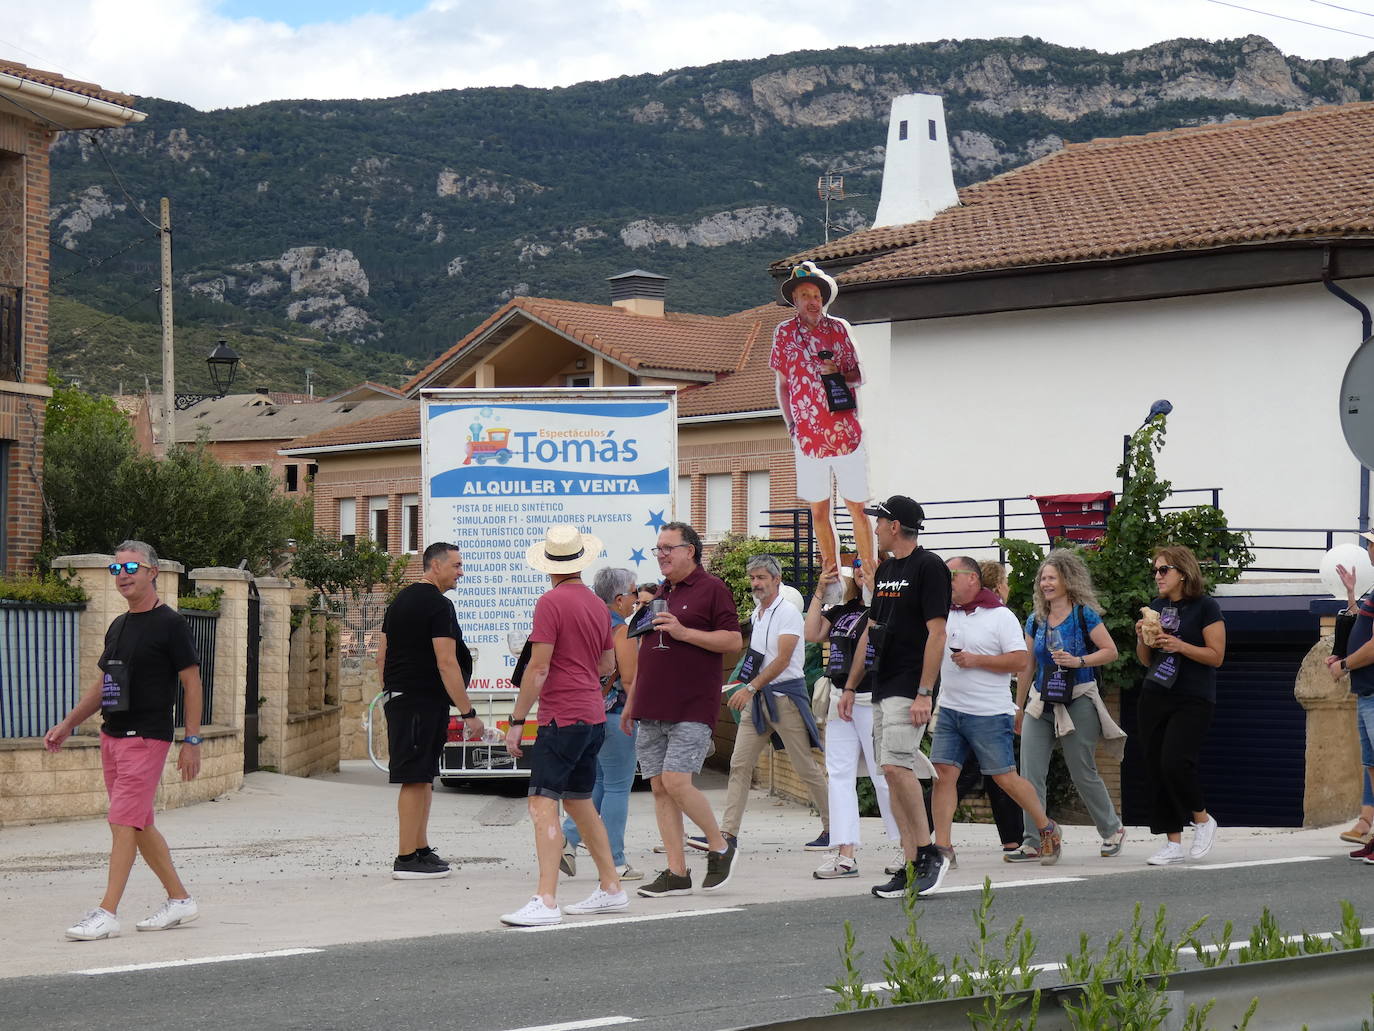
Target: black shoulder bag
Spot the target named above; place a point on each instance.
(114, 688)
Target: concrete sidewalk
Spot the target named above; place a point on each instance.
(289, 862)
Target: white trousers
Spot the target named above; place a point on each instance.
(845, 741)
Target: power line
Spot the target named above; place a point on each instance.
(1284, 17)
(1338, 7)
(92, 263)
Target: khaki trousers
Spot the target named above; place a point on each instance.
(749, 745)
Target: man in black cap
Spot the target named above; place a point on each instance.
(906, 626)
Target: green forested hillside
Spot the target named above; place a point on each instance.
(448, 203)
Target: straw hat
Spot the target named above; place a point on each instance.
(564, 550)
(809, 272)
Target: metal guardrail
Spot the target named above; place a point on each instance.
(38, 666)
(203, 626)
(1326, 992)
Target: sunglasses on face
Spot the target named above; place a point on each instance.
(116, 568)
(1162, 570)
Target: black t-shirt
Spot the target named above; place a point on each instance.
(906, 593)
(155, 646)
(1194, 679)
(847, 624)
(419, 614)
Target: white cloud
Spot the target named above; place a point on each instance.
(184, 50)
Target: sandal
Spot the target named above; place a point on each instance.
(1357, 837)
(1022, 855)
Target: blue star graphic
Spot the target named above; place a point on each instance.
(656, 519)
(637, 556)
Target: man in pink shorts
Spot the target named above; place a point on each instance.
(148, 650)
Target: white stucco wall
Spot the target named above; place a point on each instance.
(1038, 401)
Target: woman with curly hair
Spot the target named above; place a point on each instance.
(1181, 654)
(1057, 696)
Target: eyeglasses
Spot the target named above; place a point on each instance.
(667, 550)
(956, 572)
(1162, 570)
(116, 568)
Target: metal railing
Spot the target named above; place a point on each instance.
(203, 627)
(11, 333)
(39, 680)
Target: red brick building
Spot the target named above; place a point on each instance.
(734, 455)
(34, 106)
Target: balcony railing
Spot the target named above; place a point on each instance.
(11, 333)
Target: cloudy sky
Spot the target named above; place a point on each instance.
(228, 53)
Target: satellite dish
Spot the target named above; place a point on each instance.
(1357, 403)
(1352, 556)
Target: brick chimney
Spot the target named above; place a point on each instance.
(639, 291)
(918, 179)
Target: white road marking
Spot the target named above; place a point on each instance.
(951, 889)
(567, 925)
(574, 1025)
(1253, 862)
(198, 961)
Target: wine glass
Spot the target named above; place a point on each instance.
(655, 607)
(515, 641)
(1055, 641)
(956, 640)
(1168, 619)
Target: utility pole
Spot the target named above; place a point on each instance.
(169, 407)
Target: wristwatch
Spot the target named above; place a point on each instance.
(516, 723)
(924, 692)
(751, 688)
(469, 714)
(192, 739)
(1345, 668)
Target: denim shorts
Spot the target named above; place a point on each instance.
(990, 738)
(1364, 717)
(663, 747)
(564, 761)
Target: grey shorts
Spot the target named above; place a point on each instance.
(896, 741)
(671, 747)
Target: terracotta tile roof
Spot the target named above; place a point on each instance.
(258, 417)
(750, 388)
(85, 89)
(1302, 175)
(676, 341)
(400, 424)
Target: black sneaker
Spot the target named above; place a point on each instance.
(417, 867)
(893, 889)
(719, 866)
(667, 883)
(432, 856)
(700, 843)
(930, 871)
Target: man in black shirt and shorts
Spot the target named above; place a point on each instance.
(148, 651)
(425, 667)
(906, 625)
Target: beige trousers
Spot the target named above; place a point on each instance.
(749, 745)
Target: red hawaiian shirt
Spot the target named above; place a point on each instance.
(818, 432)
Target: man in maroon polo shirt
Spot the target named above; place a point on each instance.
(675, 699)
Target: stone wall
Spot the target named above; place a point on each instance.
(299, 727)
(1334, 776)
(359, 683)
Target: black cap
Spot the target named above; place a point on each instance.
(901, 509)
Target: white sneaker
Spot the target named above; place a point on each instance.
(1204, 837)
(601, 901)
(173, 913)
(836, 866)
(1171, 853)
(98, 923)
(534, 914)
(629, 873)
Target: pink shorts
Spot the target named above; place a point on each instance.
(133, 767)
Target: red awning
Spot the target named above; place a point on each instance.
(1079, 517)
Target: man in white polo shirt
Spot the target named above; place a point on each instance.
(779, 704)
(984, 645)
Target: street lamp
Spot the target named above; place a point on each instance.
(1160, 407)
(224, 363)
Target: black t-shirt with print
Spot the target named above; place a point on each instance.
(155, 647)
(419, 614)
(847, 624)
(907, 592)
(1194, 679)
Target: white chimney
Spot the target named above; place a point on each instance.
(918, 179)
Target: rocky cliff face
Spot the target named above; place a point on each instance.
(402, 223)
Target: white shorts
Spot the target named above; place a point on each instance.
(850, 472)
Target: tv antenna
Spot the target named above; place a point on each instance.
(830, 187)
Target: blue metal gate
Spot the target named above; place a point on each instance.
(39, 678)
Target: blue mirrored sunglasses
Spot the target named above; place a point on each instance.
(116, 568)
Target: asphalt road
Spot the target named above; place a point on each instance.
(738, 965)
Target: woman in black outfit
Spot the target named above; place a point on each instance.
(1178, 699)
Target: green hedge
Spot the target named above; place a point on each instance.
(45, 590)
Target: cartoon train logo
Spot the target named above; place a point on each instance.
(495, 447)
